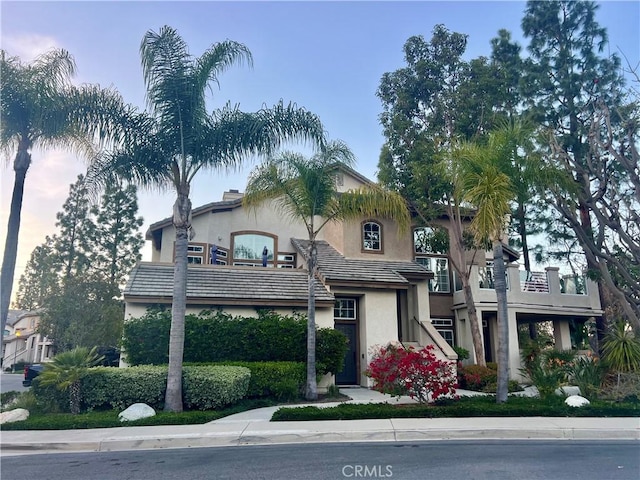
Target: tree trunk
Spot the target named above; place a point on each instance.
(476, 334)
(503, 323)
(20, 166)
(458, 260)
(181, 221)
(311, 390)
(522, 227)
(74, 398)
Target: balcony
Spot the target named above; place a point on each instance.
(535, 289)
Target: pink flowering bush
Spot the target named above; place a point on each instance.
(399, 371)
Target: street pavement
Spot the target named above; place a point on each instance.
(255, 428)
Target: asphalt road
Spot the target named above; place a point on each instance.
(441, 460)
(11, 381)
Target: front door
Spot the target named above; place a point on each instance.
(349, 373)
(346, 321)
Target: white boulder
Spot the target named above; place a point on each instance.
(15, 415)
(136, 412)
(568, 391)
(576, 401)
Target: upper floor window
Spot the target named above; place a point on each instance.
(371, 237)
(430, 240)
(440, 267)
(250, 247)
(430, 245)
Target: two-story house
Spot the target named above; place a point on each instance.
(376, 284)
(22, 343)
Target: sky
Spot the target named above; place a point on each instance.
(327, 57)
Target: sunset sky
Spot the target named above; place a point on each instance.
(326, 56)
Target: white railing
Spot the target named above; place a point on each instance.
(536, 282)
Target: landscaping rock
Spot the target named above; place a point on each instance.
(576, 401)
(568, 391)
(15, 415)
(136, 412)
(530, 391)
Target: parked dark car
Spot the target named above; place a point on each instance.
(31, 372)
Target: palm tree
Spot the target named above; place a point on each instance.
(165, 147)
(305, 190)
(41, 109)
(482, 183)
(67, 369)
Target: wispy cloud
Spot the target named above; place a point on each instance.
(28, 46)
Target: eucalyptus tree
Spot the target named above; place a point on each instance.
(166, 146)
(305, 190)
(42, 109)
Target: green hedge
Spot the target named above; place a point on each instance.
(464, 407)
(215, 336)
(204, 388)
(279, 380)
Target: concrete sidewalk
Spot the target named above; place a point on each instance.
(254, 428)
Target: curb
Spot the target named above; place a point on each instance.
(266, 433)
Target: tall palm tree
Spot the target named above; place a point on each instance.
(482, 182)
(40, 108)
(166, 146)
(305, 190)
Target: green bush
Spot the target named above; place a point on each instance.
(481, 406)
(280, 380)
(112, 387)
(204, 387)
(215, 336)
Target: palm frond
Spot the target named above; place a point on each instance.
(232, 135)
(217, 59)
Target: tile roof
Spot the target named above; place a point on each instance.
(335, 269)
(220, 285)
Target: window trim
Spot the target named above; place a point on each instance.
(380, 239)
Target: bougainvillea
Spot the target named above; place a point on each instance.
(398, 371)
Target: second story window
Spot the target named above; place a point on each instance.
(431, 247)
(249, 249)
(371, 237)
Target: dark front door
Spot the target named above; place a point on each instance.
(349, 374)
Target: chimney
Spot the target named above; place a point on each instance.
(232, 194)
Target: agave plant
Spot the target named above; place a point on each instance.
(67, 369)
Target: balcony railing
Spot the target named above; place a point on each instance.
(536, 282)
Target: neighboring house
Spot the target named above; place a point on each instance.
(376, 284)
(21, 341)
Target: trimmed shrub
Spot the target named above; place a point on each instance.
(211, 387)
(109, 387)
(204, 387)
(215, 336)
(280, 380)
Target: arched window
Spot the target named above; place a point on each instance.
(371, 237)
(247, 248)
